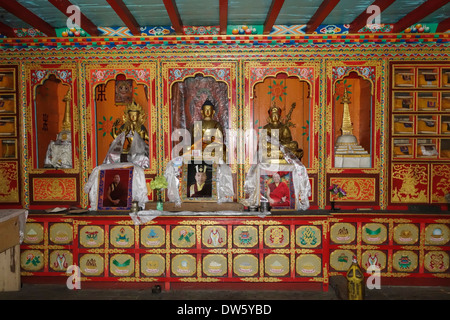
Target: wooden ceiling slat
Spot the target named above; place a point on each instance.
(418, 14)
(322, 12)
(272, 15)
(223, 16)
(443, 25)
(7, 30)
(28, 16)
(361, 20)
(127, 17)
(86, 24)
(174, 15)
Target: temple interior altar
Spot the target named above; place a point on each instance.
(228, 159)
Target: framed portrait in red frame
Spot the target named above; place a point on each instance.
(277, 187)
(115, 189)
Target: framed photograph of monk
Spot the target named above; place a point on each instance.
(277, 187)
(115, 189)
(198, 182)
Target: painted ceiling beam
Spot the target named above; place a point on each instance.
(86, 24)
(28, 16)
(127, 17)
(320, 15)
(274, 11)
(444, 25)
(7, 30)
(361, 20)
(174, 15)
(418, 14)
(223, 16)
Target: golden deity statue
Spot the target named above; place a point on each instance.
(283, 134)
(133, 121)
(211, 132)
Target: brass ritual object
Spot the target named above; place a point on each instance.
(135, 207)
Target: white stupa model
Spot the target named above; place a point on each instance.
(347, 152)
(59, 152)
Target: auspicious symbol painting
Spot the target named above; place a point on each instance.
(276, 236)
(308, 265)
(245, 236)
(214, 236)
(153, 236)
(215, 265)
(92, 264)
(308, 237)
(276, 265)
(59, 260)
(436, 261)
(122, 265)
(183, 265)
(32, 260)
(183, 236)
(405, 261)
(153, 265)
(122, 236)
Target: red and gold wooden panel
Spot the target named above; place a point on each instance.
(48, 246)
(440, 182)
(409, 183)
(178, 249)
(411, 246)
(54, 190)
(357, 189)
(9, 189)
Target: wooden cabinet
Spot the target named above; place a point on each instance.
(419, 133)
(9, 137)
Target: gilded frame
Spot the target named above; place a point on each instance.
(35, 75)
(178, 71)
(141, 72)
(373, 71)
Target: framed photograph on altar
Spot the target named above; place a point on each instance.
(115, 189)
(277, 187)
(198, 182)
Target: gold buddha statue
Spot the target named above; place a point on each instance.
(133, 121)
(284, 137)
(211, 132)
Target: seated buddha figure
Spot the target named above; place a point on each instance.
(207, 134)
(282, 133)
(133, 121)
